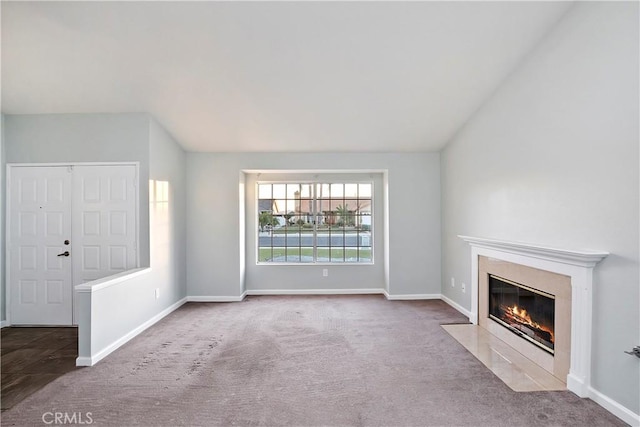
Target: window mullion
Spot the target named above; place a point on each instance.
(315, 222)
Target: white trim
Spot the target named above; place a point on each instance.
(7, 245)
(408, 297)
(455, 305)
(314, 291)
(385, 230)
(580, 258)
(107, 282)
(620, 411)
(311, 171)
(85, 361)
(223, 298)
(364, 291)
(63, 164)
(4, 324)
(95, 358)
(576, 264)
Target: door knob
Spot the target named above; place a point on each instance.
(65, 253)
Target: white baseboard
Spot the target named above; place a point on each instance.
(455, 305)
(620, 411)
(3, 324)
(84, 361)
(314, 291)
(95, 358)
(408, 297)
(223, 298)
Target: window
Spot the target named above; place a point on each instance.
(315, 222)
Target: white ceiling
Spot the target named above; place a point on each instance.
(271, 76)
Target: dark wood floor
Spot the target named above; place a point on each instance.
(32, 358)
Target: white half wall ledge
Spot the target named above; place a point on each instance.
(107, 282)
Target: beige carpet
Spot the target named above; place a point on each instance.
(301, 361)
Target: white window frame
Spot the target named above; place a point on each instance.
(314, 183)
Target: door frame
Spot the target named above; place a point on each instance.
(7, 230)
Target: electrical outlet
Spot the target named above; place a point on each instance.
(157, 293)
(463, 287)
(325, 272)
(453, 282)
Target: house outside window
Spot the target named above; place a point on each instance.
(315, 222)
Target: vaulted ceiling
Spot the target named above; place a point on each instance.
(271, 76)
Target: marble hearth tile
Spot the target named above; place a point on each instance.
(514, 369)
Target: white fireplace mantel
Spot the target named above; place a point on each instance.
(577, 264)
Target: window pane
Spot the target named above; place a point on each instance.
(279, 191)
(305, 191)
(291, 206)
(264, 191)
(351, 190)
(364, 255)
(271, 254)
(293, 254)
(323, 222)
(322, 191)
(351, 254)
(322, 237)
(364, 190)
(337, 255)
(337, 190)
(323, 255)
(293, 191)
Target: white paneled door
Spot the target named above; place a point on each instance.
(67, 225)
(40, 262)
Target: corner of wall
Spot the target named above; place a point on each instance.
(385, 183)
(242, 235)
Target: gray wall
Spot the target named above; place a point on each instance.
(552, 159)
(167, 163)
(214, 223)
(60, 138)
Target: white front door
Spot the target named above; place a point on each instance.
(40, 261)
(88, 212)
(104, 226)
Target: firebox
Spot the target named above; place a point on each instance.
(525, 311)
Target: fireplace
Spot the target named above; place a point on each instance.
(566, 274)
(525, 311)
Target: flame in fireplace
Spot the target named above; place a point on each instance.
(520, 315)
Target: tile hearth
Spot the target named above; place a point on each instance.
(514, 369)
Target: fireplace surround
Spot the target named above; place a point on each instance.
(574, 268)
(556, 362)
